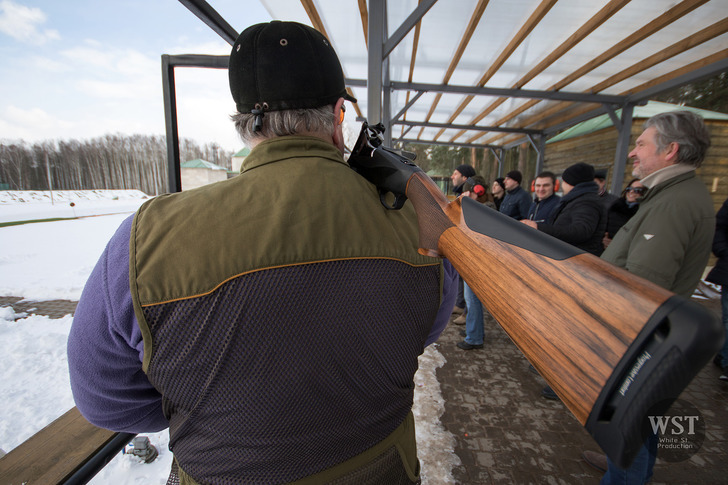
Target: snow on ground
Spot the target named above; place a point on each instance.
(36, 390)
(25, 205)
(52, 260)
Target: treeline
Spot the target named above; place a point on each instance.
(108, 162)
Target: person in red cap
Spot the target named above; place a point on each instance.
(476, 188)
(272, 321)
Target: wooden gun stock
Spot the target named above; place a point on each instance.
(612, 345)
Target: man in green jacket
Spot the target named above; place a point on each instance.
(668, 240)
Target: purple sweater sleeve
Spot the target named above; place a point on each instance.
(105, 349)
(449, 292)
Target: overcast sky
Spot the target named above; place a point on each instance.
(84, 68)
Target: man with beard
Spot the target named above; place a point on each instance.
(459, 176)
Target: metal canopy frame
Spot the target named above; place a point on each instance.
(491, 116)
(174, 177)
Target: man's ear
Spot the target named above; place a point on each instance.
(338, 135)
(337, 111)
(671, 152)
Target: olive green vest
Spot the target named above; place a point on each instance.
(282, 311)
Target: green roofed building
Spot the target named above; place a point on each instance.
(237, 160)
(198, 172)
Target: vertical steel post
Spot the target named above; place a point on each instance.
(620, 157)
(375, 61)
(540, 147)
(174, 177)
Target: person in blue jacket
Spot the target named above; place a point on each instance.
(545, 198)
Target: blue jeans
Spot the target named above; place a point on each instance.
(640, 472)
(474, 318)
(724, 352)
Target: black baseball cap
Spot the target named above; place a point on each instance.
(284, 65)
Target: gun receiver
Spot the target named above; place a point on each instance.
(388, 169)
(611, 344)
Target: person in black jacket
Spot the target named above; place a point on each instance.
(459, 176)
(580, 217)
(600, 177)
(719, 276)
(516, 202)
(623, 209)
(499, 191)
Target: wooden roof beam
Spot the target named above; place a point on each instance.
(708, 66)
(531, 23)
(464, 41)
(635, 93)
(364, 13)
(649, 29)
(592, 24)
(413, 59)
(708, 33)
(314, 17)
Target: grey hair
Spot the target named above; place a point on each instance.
(285, 122)
(685, 128)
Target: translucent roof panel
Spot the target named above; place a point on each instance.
(529, 65)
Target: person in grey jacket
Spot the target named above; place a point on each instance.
(668, 240)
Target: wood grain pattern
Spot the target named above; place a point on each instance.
(573, 319)
(54, 453)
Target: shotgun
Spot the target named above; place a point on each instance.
(614, 347)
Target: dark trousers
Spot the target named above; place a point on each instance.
(460, 300)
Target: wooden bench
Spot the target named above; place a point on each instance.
(68, 451)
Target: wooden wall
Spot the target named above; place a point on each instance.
(598, 149)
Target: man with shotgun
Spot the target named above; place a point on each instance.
(275, 332)
(668, 240)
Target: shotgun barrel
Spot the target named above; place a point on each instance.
(613, 346)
